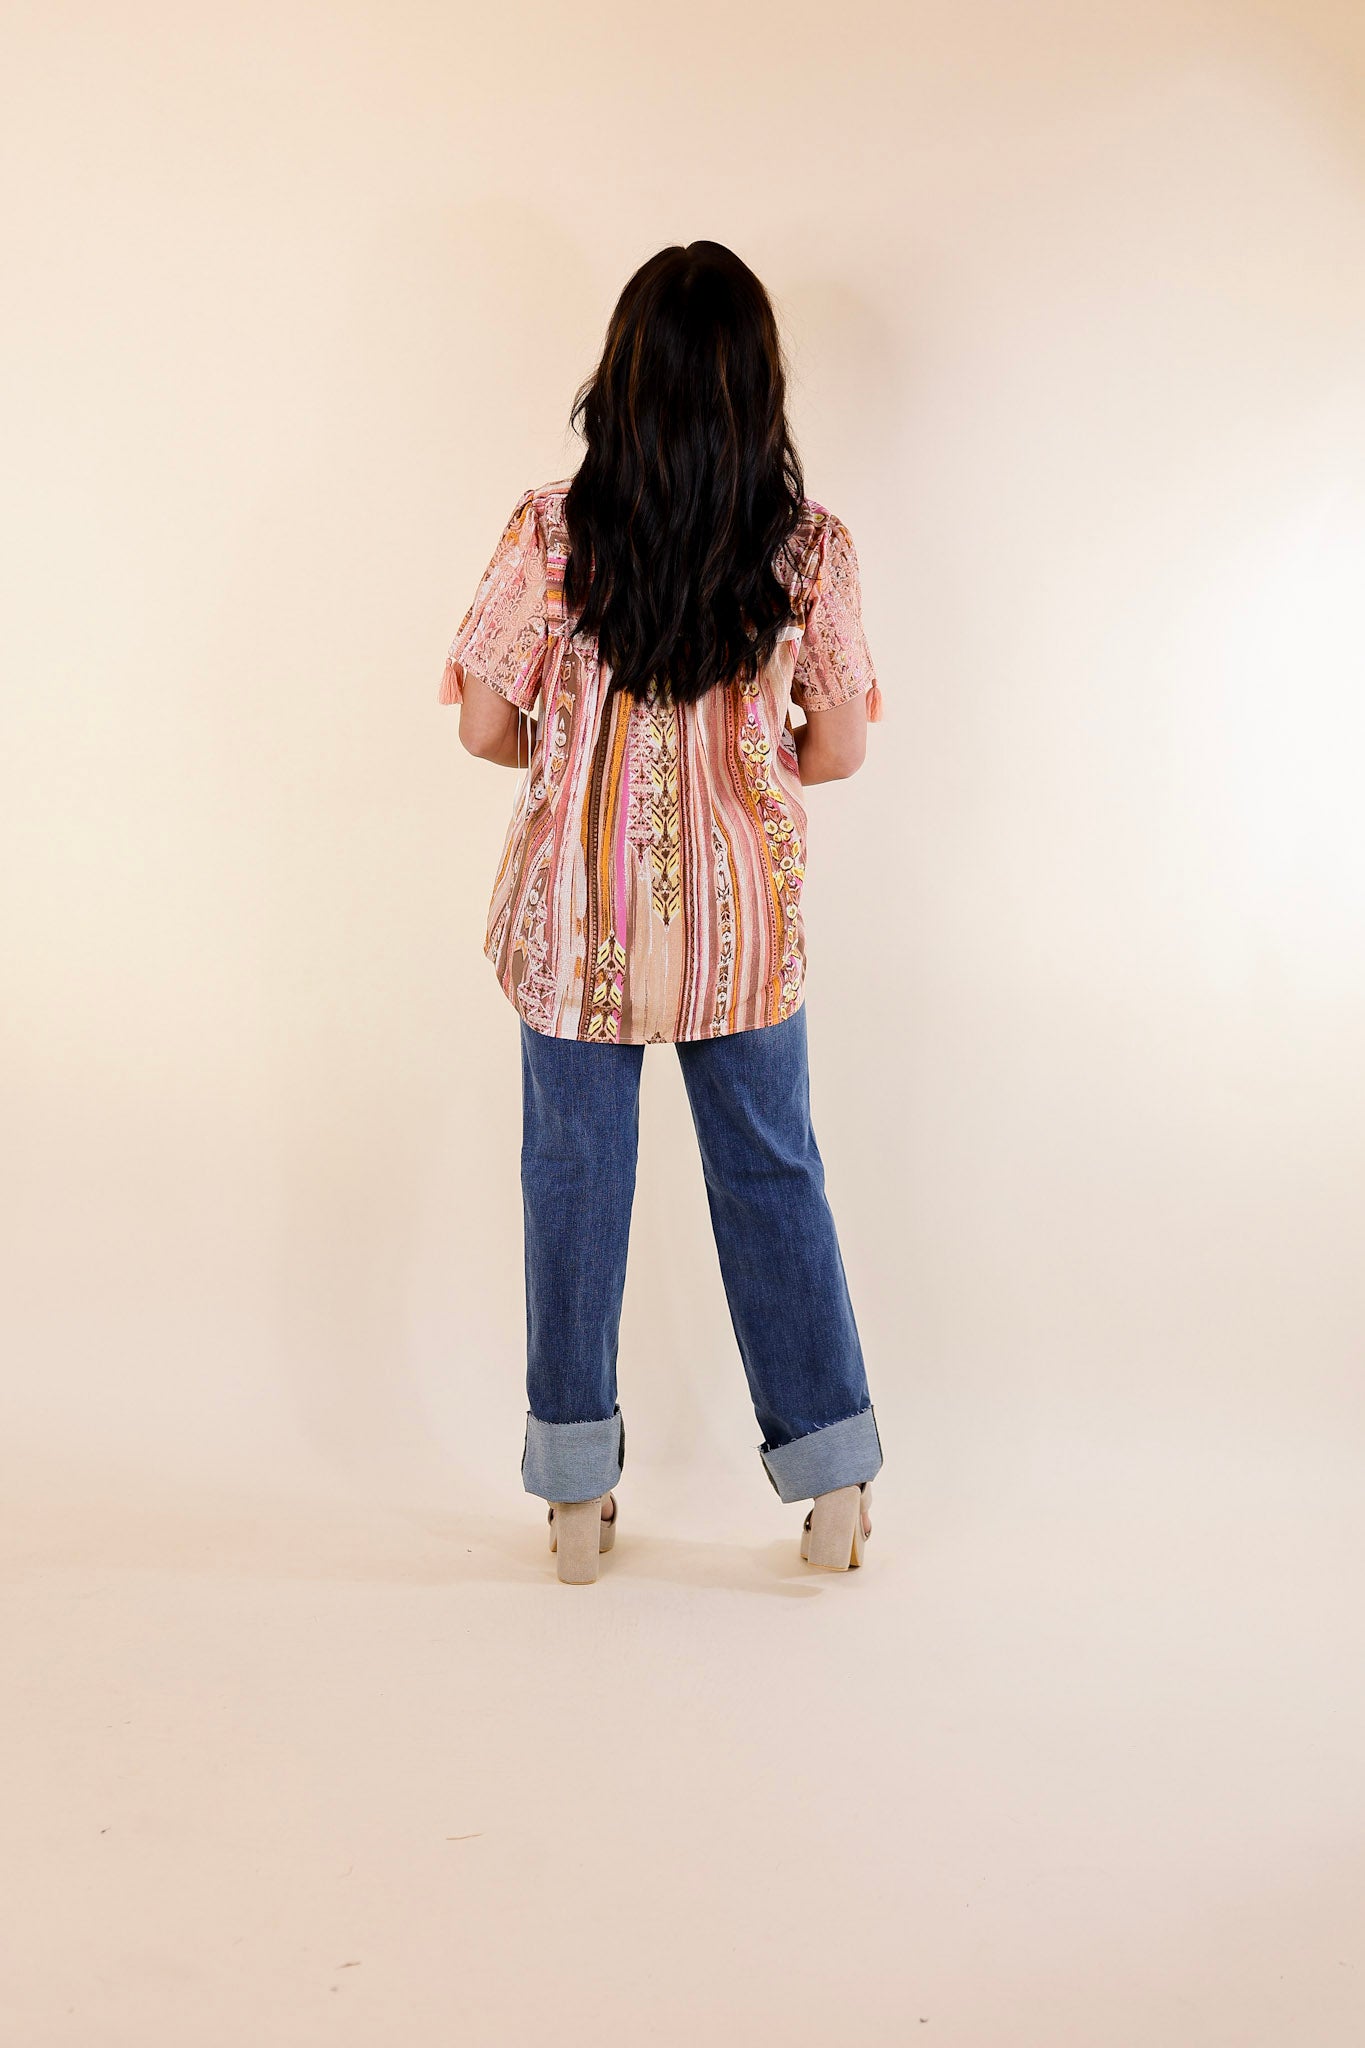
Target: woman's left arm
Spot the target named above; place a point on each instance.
(489, 725)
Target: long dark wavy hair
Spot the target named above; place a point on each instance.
(690, 484)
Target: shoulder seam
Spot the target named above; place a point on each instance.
(812, 553)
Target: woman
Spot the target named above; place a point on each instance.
(664, 608)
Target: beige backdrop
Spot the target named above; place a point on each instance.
(1075, 303)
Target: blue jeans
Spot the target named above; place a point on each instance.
(779, 1256)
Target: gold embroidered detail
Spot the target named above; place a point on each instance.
(665, 814)
(608, 984)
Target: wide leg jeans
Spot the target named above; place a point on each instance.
(775, 1236)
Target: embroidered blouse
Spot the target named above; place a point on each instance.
(649, 887)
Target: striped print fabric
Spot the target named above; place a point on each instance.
(649, 886)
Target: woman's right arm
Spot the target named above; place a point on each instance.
(834, 681)
(832, 744)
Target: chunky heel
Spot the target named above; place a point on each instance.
(579, 1535)
(832, 1535)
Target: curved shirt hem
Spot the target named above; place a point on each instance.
(658, 1038)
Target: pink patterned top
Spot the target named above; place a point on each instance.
(649, 888)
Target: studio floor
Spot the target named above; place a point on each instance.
(1072, 1765)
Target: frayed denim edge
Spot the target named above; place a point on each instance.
(573, 1460)
(845, 1453)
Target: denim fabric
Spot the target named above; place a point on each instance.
(775, 1236)
(573, 1460)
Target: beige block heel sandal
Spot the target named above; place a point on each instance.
(832, 1536)
(579, 1533)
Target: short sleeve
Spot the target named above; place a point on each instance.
(833, 661)
(504, 634)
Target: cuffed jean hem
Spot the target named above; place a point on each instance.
(843, 1453)
(573, 1460)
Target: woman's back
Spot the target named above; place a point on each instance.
(649, 887)
(664, 608)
